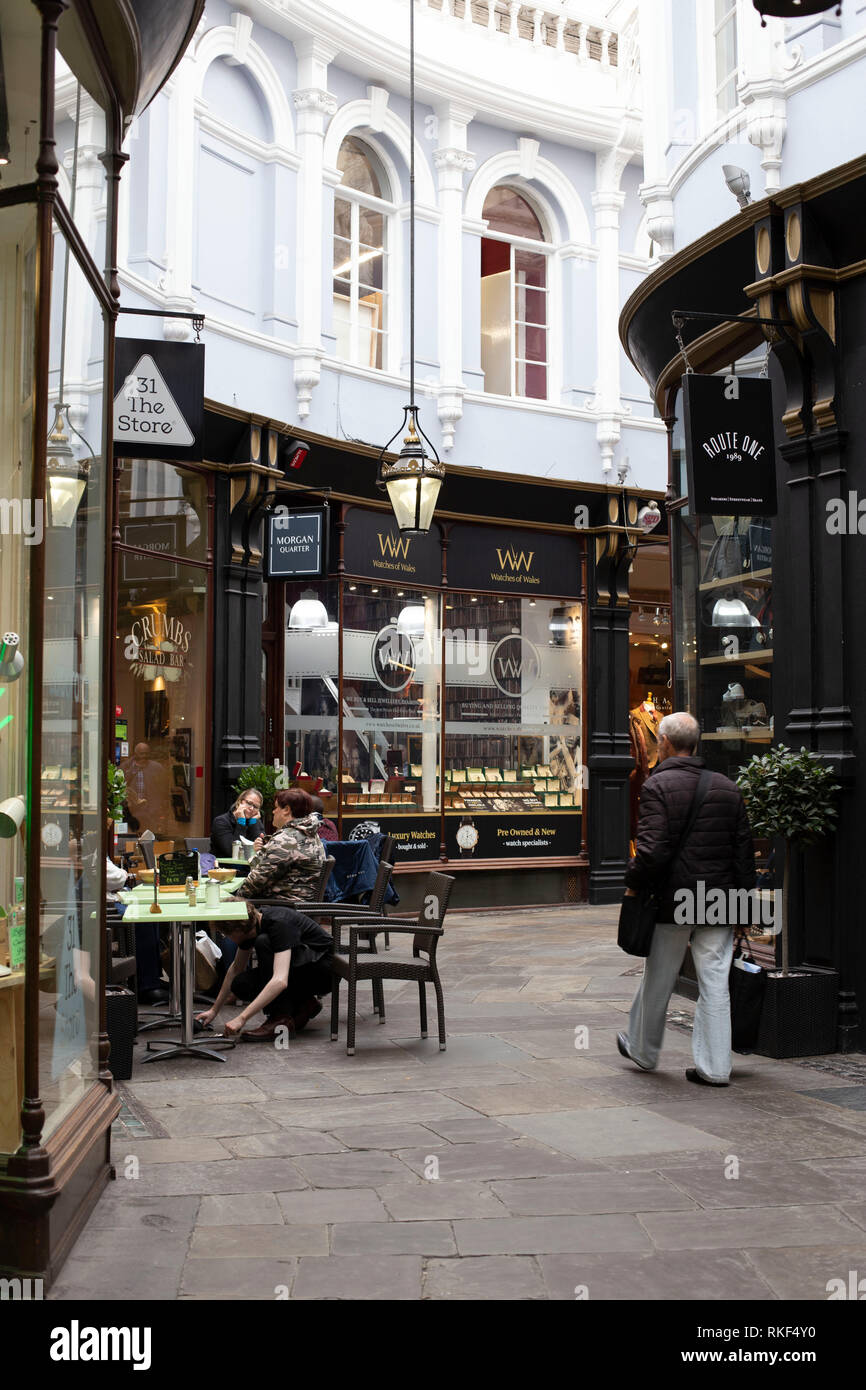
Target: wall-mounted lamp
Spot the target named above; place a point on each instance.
(11, 660)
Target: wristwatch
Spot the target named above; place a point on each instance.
(467, 837)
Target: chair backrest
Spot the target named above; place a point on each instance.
(203, 846)
(434, 903)
(146, 847)
(388, 850)
(324, 876)
(380, 887)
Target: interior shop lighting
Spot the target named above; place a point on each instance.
(308, 614)
(411, 619)
(413, 479)
(732, 612)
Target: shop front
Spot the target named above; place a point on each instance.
(71, 77)
(766, 533)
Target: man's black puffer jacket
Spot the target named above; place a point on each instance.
(719, 849)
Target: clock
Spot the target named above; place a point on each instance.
(51, 835)
(467, 837)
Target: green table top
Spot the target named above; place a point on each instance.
(144, 892)
(177, 909)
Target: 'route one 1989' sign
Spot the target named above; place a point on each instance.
(730, 449)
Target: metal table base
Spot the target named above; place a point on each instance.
(183, 941)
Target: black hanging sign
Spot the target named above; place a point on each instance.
(730, 448)
(517, 561)
(375, 548)
(158, 399)
(296, 543)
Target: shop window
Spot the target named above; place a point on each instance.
(513, 706)
(514, 298)
(725, 54)
(162, 647)
(362, 209)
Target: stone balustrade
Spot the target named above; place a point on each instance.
(509, 20)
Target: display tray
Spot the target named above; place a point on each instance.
(747, 577)
(761, 657)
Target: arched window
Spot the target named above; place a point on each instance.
(514, 316)
(361, 209)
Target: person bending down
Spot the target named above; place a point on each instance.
(293, 966)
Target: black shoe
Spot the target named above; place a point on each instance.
(622, 1044)
(692, 1074)
(153, 996)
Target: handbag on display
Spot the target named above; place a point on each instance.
(748, 985)
(639, 913)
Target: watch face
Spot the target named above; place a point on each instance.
(467, 837)
(51, 835)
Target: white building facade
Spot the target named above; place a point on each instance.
(269, 188)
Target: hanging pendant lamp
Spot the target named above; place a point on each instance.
(414, 477)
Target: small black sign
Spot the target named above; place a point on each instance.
(375, 548)
(158, 399)
(538, 836)
(417, 836)
(296, 544)
(514, 561)
(159, 538)
(176, 867)
(730, 446)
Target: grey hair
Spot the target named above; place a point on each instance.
(681, 730)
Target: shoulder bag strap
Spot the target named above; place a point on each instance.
(700, 792)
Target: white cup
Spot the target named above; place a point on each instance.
(212, 893)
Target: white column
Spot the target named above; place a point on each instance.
(79, 388)
(608, 205)
(453, 161)
(314, 105)
(655, 193)
(179, 199)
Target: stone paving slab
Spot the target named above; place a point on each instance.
(359, 1169)
(487, 1277)
(587, 1193)
(798, 1273)
(258, 1279)
(435, 1076)
(505, 1159)
(392, 1137)
(241, 1209)
(222, 1178)
(282, 1142)
(126, 1279)
(528, 1098)
(394, 1238)
(757, 1227)
(247, 1242)
(328, 1206)
(171, 1150)
(616, 1130)
(445, 1201)
(355, 1110)
(705, 1277)
(392, 1278)
(210, 1090)
(769, 1184)
(213, 1121)
(538, 1235)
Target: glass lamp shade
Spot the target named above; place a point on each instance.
(411, 619)
(308, 614)
(67, 476)
(413, 498)
(732, 612)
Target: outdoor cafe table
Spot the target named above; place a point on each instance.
(183, 920)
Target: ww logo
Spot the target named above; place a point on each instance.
(395, 546)
(515, 560)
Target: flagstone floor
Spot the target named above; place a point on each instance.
(528, 1161)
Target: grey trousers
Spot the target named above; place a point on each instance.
(712, 951)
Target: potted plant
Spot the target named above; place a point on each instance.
(116, 793)
(263, 778)
(793, 796)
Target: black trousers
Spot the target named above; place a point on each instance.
(304, 981)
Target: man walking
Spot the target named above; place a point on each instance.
(717, 853)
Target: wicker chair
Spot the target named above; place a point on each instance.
(354, 966)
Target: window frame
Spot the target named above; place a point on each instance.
(546, 249)
(386, 207)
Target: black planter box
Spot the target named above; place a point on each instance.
(121, 1024)
(799, 1015)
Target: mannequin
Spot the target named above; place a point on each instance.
(643, 723)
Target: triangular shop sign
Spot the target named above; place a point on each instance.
(145, 406)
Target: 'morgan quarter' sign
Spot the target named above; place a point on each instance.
(296, 543)
(730, 450)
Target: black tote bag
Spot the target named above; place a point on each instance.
(748, 985)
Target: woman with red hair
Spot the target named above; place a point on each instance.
(289, 864)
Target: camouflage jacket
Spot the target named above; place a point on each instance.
(289, 865)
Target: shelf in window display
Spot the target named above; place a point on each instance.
(746, 659)
(762, 577)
